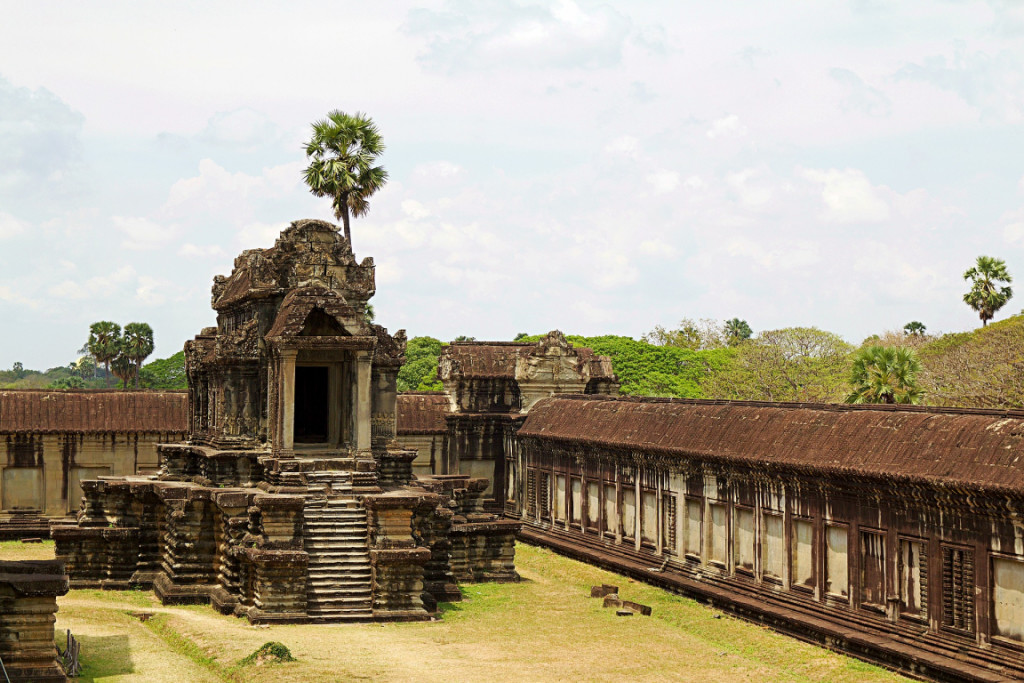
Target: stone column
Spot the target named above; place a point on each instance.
(287, 406)
(28, 601)
(362, 400)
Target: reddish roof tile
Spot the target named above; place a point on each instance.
(93, 411)
(980, 448)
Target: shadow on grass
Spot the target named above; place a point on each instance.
(444, 608)
(104, 656)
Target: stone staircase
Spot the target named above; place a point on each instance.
(331, 482)
(339, 583)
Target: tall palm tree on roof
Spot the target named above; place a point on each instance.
(986, 296)
(342, 154)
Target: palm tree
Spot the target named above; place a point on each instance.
(104, 343)
(138, 345)
(123, 369)
(342, 153)
(737, 330)
(915, 328)
(885, 374)
(986, 296)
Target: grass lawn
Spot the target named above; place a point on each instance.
(545, 628)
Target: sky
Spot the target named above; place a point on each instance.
(595, 167)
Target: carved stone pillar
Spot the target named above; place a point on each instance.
(362, 401)
(287, 406)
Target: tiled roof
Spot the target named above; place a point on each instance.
(981, 448)
(93, 411)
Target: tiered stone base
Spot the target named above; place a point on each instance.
(28, 601)
(319, 539)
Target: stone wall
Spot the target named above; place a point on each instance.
(42, 473)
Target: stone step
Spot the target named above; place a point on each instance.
(314, 514)
(329, 544)
(337, 602)
(339, 560)
(364, 602)
(334, 570)
(343, 534)
(342, 614)
(355, 586)
(339, 579)
(341, 523)
(352, 564)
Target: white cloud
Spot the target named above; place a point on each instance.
(142, 234)
(657, 248)
(40, 145)
(626, 145)
(778, 257)
(991, 81)
(663, 181)
(11, 226)
(848, 196)
(256, 235)
(243, 128)
(98, 287)
(726, 127)
(508, 35)
(435, 170)
(190, 250)
(415, 209)
(150, 291)
(9, 295)
(751, 187)
(211, 187)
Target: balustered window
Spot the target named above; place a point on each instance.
(872, 572)
(958, 589)
(773, 546)
(694, 527)
(743, 539)
(913, 569)
(837, 568)
(802, 555)
(668, 523)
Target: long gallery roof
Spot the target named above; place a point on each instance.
(979, 448)
(29, 411)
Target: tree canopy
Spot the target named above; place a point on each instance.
(104, 343)
(986, 296)
(420, 370)
(791, 364)
(737, 330)
(885, 374)
(137, 345)
(166, 373)
(342, 152)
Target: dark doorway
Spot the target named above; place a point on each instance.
(311, 404)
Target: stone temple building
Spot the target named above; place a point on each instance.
(291, 500)
(489, 387)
